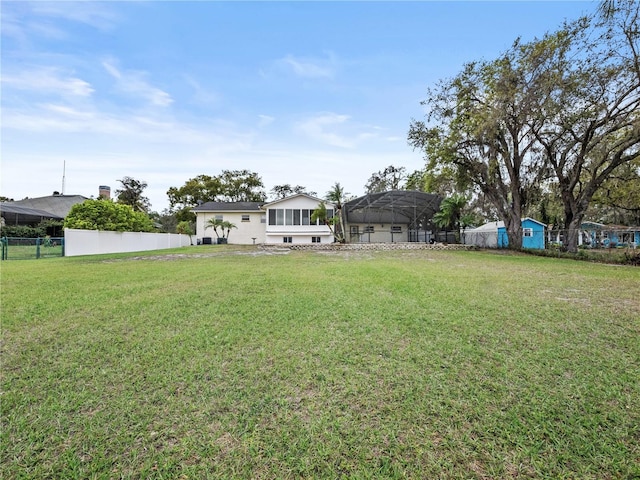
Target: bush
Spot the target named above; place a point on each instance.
(23, 231)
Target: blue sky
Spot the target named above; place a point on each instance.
(305, 93)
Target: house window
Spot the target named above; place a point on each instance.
(396, 229)
(279, 216)
(315, 239)
(245, 218)
(305, 217)
(263, 218)
(368, 229)
(527, 232)
(218, 217)
(354, 229)
(287, 239)
(288, 217)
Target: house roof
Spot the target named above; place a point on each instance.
(19, 215)
(494, 226)
(229, 207)
(56, 205)
(319, 200)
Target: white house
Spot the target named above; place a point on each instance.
(284, 221)
(248, 217)
(289, 221)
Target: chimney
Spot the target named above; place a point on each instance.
(104, 192)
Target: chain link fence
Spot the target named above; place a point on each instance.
(18, 248)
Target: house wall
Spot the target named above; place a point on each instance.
(381, 233)
(244, 234)
(536, 241)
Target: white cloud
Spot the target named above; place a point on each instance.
(334, 130)
(48, 80)
(307, 67)
(133, 83)
(96, 14)
(202, 95)
(265, 120)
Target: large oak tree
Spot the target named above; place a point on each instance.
(561, 110)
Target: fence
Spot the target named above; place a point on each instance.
(93, 242)
(20, 248)
(587, 239)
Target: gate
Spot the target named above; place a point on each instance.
(18, 248)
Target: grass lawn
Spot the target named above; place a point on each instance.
(226, 362)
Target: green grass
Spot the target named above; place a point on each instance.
(219, 362)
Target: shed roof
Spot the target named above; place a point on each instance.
(494, 226)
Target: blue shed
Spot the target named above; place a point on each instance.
(532, 234)
(494, 235)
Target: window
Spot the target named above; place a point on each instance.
(288, 217)
(296, 217)
(263, 218)
(305, 217)
(368, 229)
(329, 213)
(354, 229)
(246, 218)
(527, 232)
(218, 217)
(315, 239)
(287, 240)
(396, 229)
(272, 216)
(279, 216)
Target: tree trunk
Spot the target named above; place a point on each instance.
(573, 232)
(513, 226)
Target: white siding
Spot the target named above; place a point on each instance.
(243, 234)
(275, 234)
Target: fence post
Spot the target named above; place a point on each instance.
(38, 247)
(62, 245)
(5, 248)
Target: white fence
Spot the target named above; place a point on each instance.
(94, 242)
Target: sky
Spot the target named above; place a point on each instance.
(302, 93)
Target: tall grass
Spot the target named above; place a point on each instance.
(236, 364)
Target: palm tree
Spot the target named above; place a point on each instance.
(226, 226)
(184, 227)
(450, 213)
(215, 223)
(336, 196)
(320, 213)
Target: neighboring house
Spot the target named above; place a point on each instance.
(392, 216)
(284, 221)
(57, 205)
(494, 235)
(598, 235)
(248, 217)
(13, 214)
